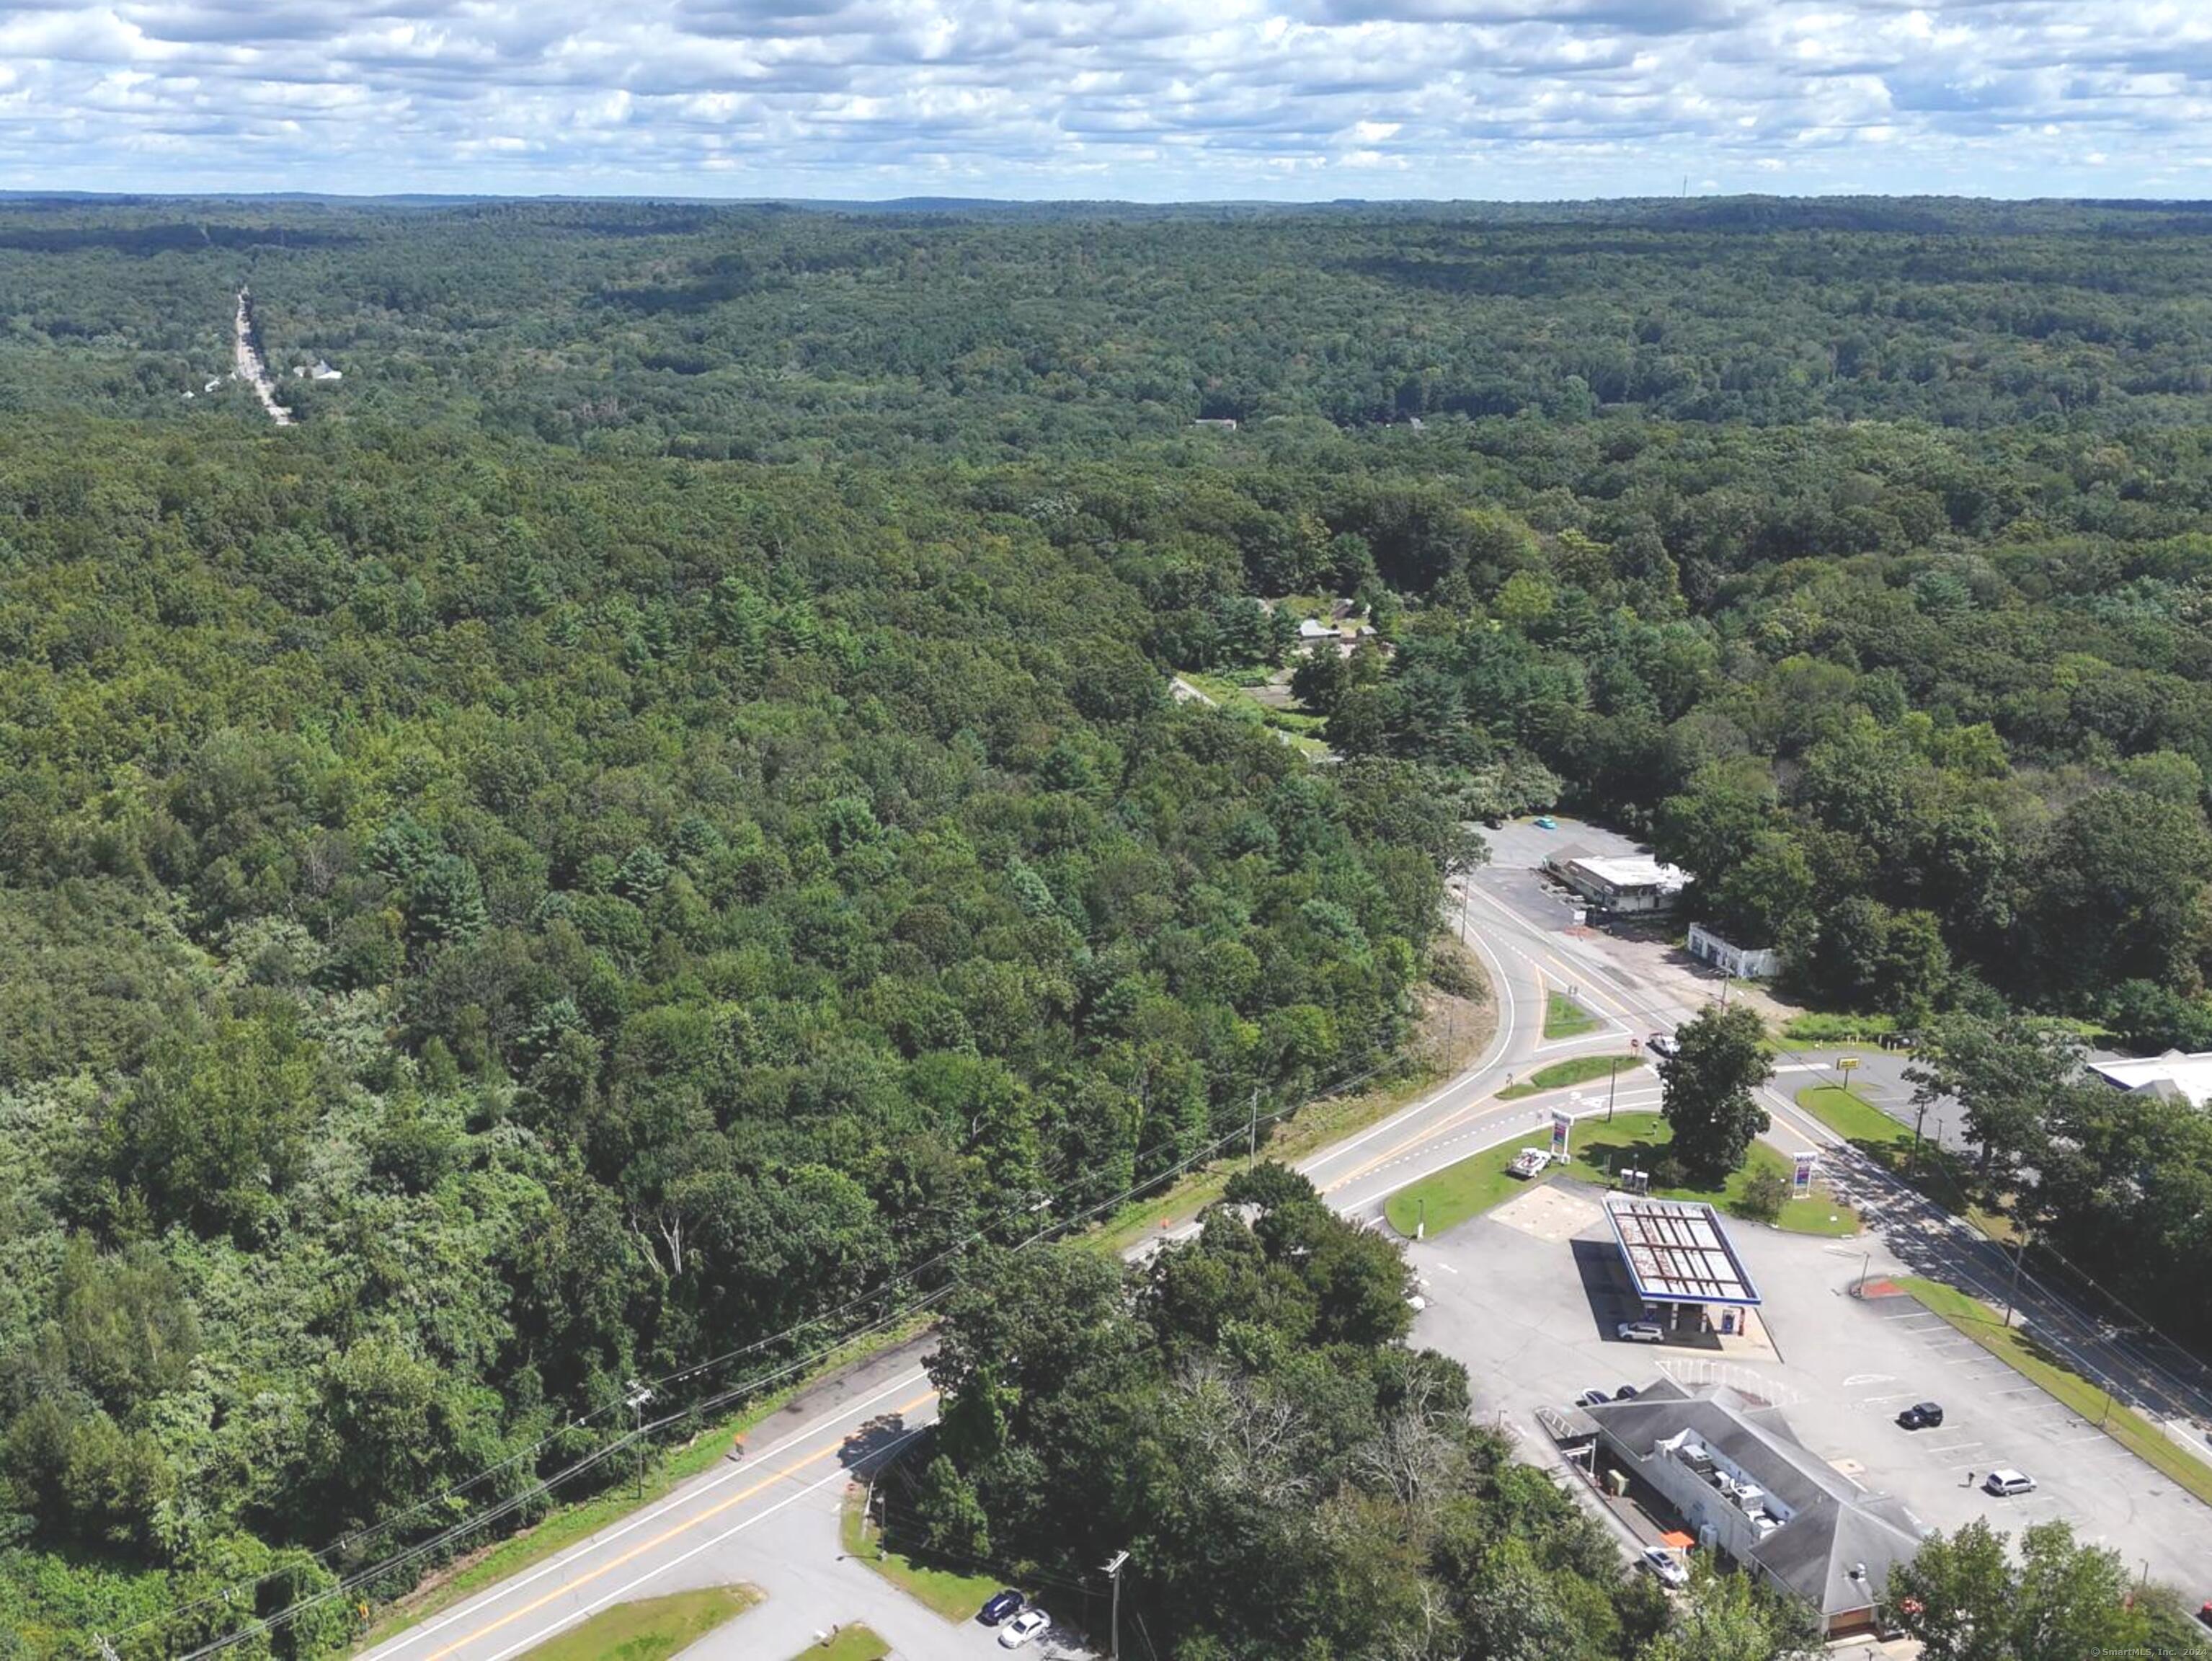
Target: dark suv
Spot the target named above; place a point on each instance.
(998, 1607)
(1922, 1415)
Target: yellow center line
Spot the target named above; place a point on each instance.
(1427, 1134)
(661, 1539)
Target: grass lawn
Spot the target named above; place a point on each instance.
(2041, 1365)
(1565, 1019)
(1298, 730)
(1857, 1120)
(651, 1629)
(853, 1643)
(1824, 1029)
(953, 1593)
(1935, 1171)
(1632, 1141)
(1575, 1069)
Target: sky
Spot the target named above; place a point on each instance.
(1134, 99)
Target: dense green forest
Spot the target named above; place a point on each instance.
(652, 818)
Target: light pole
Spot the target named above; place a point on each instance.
(1611, 1079)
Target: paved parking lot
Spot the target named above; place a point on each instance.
(1532, 1319)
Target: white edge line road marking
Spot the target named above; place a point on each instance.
(691, 1492)
(841, 1474)
(1483, 1064)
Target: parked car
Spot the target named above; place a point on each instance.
(1659, 1561)
(1029, 1623)
(1591, 1398)
(1529, 1161)
(1640, 1332)
(1545, 822)
(1922, 1415)
(1626, 1393)
(2005, 1483)
(1662, 1045)
(1000, 1607)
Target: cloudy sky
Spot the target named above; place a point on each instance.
(1139, 99)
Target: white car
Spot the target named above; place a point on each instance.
(1029, 1623)
(1662, 1045)
(1640, 1332)
(2006, 1483)
(1659, 1561)
(1529, 1161)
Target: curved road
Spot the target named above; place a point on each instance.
(771, 1520)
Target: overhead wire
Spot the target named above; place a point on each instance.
(1378, 1062)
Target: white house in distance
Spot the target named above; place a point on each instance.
(1623, 883)
(2175, 1074)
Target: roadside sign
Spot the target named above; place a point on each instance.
(1801, 1175)
(1561, 1124)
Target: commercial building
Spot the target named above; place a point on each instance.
(1625, 883)
(2174, 1073)
(1729, 1464)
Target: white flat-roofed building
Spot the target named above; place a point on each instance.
(2174, 1073)
(1622, 882)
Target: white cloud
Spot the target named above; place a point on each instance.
(1142, 98)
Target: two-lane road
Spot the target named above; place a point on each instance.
(732, 1524)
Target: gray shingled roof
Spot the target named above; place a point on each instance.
(1836, 1525)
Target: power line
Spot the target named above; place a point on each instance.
(542, 1488)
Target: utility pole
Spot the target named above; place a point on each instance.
(636, 1400)
(1252, 1148)
(1114, 1626)
(1919, 1118)
(2012, 1288)
(1611, 1078)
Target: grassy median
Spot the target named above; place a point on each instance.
(2041, 1364)
(1575, 1069)
(1632, 1141)
(650, 1629)
(1565, 1019)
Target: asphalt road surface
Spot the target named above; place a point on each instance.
(770, 1520)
